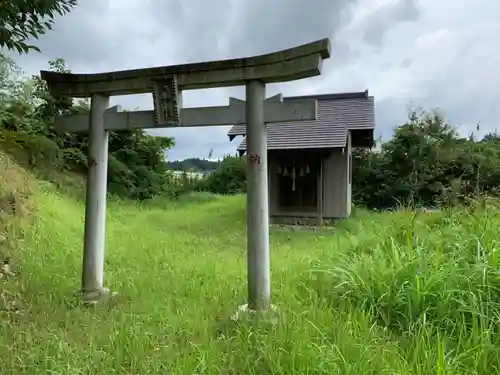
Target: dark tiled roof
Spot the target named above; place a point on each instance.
(337, 115)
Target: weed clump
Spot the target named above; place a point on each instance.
(430, 279)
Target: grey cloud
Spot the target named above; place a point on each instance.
(380, 21)
(100, 34)
(468, 90)
(226, 29)
(405, 63)
(391, 113)
(95, 36)
(281, 24)
(82, 36)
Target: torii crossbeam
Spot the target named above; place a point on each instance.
(166, 85)
(275, 110)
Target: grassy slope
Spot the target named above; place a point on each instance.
(349, 300)
(15, 190)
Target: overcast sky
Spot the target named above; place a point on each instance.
(433, 53)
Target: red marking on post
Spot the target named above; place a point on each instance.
(255, 159)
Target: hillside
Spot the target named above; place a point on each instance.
(15, 189)
(400, 292)
(193, 165)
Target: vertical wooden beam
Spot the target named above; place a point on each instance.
(320, 193)
(269, 195)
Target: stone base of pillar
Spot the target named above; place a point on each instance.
(244, 314)
(97, 296)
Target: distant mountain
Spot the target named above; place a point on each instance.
(192, 164)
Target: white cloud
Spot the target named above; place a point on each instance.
(434, 53)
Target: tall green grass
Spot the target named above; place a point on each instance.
(396, 293)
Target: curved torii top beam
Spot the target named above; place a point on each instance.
(286, 65)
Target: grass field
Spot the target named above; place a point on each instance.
(396, 293)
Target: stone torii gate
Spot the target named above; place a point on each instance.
(166, 84)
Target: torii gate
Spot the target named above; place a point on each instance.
(166, 84)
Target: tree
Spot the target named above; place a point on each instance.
(426, 163)
(137, 167)
(22, 20)
(193, 165)
(228, 178)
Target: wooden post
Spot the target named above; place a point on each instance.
(320, 193)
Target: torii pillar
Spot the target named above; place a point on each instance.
(95, 202)
(258, 267)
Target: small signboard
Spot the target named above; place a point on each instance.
(165, 99)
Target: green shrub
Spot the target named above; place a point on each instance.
(228, 178)
(426, 163)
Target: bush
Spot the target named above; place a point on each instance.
(426, 164)
(417, 275)
(228, 178)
